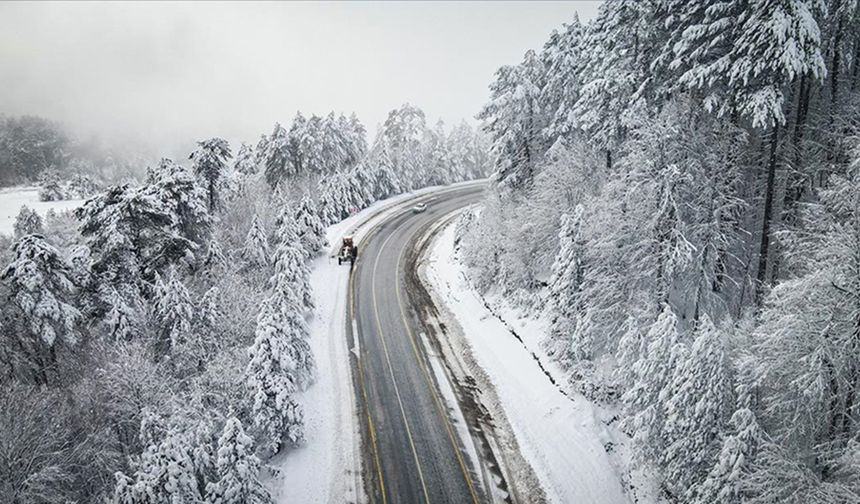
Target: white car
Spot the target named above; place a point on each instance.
(420, 207)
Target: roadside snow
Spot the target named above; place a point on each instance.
(327, 468)
(13, 198)
(559, 433)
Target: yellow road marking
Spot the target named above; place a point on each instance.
(391, 369)
(426, 373)
(370, 427)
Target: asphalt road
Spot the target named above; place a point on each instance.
(412, 450)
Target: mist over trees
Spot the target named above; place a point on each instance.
(677, 181)
(154, 345)
(36, 150)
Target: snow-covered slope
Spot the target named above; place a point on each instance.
(559, 433)
(13, 198)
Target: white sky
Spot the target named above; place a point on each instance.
(162, 74)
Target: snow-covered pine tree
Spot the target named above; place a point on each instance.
(311, 229)
(175, 314)
(41, 286)
(277, 156)
(237, 469)
(563, 60)
(291, 272)
(652, 374)
(256, 250)
(210, 166)
(179, 192)
(121, 317)
(215, 256)
(565, 293)
(698, 403)
(615, 64)
(124, 229)
(441, 168)
(27, 222)
(165, 473)
(514, 120)
(385, 180)
(724, 482)
(245, 162)
(273, 378)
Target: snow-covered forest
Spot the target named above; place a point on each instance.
(677, 186)
(154, 343)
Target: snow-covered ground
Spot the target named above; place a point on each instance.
(13, 198)
(327, 468)
(560, 434)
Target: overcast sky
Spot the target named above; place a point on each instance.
(163, 73)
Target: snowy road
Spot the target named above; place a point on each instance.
(412, 448)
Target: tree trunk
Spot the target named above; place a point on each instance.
(764, 247)
(834, 66)
(795, 188)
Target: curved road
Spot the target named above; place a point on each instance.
(411, 447)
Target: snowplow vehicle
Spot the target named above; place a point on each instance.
(348, 251)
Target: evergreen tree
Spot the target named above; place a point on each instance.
(311, 229)
(27, 222)
(724, 482)
(565, 292)
(653, 373)
(272, 377)
(291, 272)
(175, 313)
(514, 120)
(256, 249)
(237, 469)
(277, 156)
(120, 319)
(246, 160)
(697, 402)
(42, 288)
(210, 166)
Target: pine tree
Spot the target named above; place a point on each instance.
(311, 231)
(277, 156)
(698, 402)
(237, 469)
(27, 222)
(272, 377)
(653, 373)
(514, 120)
(246, 160)
(175, 313)
(291, 272)
(120, 319)
(565, 292)
(256, 249)
(41, 286)
(179, 193)
(563, 60)
(210, 166)
(724, 482)
(165, 473)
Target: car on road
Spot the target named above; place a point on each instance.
(420, 207)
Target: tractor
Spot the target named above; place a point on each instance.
(348, 251)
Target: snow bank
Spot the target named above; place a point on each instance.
(13, 198)
(559, 433)
(327, 468)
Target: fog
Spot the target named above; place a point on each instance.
(163, 74)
